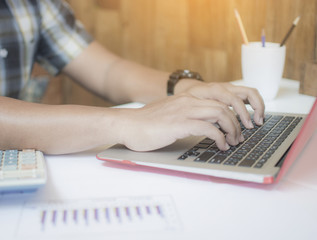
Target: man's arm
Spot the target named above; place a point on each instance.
(123, 81)
(116, 79)
(54, 129)
(70, 128)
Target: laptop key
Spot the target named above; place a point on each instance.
(258, 165)
(247, 163)
(182, 157)
(202, 145)
(204, 157)
(207, 141)
(219, 158)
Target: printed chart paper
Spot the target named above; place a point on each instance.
(111, 215)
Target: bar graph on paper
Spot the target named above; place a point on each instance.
(120, 214)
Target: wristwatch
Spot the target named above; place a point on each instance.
(178, 75)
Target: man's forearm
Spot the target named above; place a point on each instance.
(138, 83)
(55, 129)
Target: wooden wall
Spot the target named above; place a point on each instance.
(198, 34)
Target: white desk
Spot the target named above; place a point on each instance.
(206, 208)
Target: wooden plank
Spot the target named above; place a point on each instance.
(109, 4)
(170, 38)
(110, 33)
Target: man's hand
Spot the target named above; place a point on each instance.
(230, 95)
(161, 123)
(196, 111)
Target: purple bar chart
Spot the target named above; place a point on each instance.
(119, 214)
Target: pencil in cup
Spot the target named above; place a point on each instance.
(241, 27)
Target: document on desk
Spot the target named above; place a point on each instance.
(101, 216)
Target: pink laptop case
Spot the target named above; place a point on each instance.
(306, 133)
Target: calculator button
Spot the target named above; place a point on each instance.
(10, 167)
(27, 166)
(10, 174)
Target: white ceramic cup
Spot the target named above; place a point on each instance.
(262, 67)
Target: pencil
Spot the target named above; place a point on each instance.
(244, 35)
(290, 31)
(263, 37)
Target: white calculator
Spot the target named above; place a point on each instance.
(22, 170)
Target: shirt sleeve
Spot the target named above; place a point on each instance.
(62, 37)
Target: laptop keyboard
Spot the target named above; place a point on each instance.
(259, 145)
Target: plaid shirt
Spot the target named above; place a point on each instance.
(45, 31)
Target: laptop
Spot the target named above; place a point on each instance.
(264, 157)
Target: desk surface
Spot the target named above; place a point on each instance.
(203, 207)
